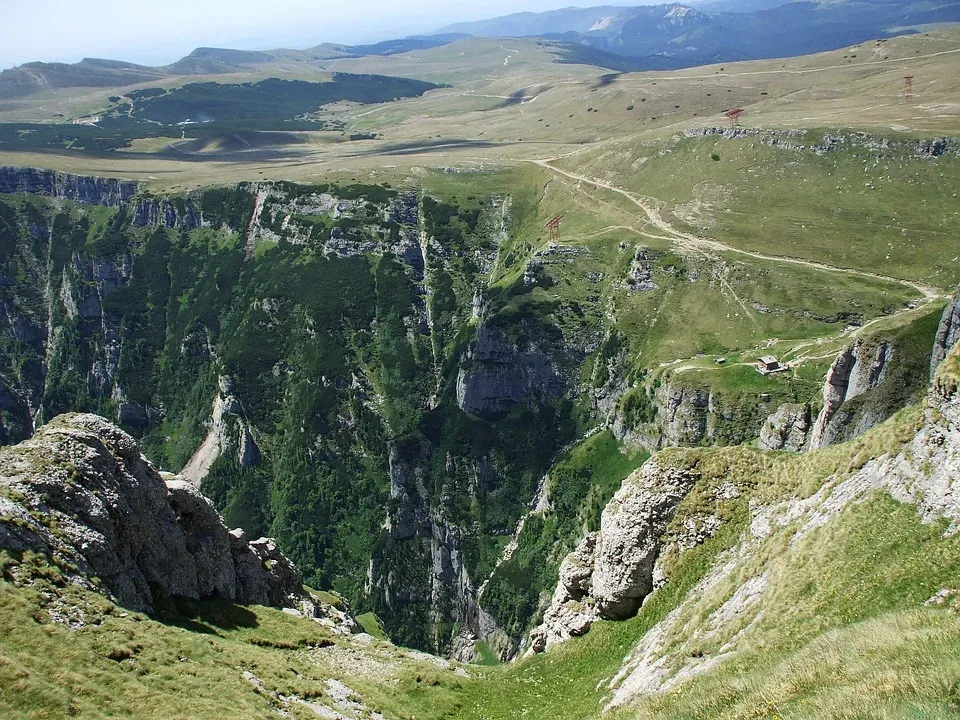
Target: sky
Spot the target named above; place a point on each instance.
(157, 33)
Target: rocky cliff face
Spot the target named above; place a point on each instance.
(419, 536)
(330, 347)
(611, 572)
(683, 414)
(859, 368)
(687, 413)
(787, 429)
(158, 212)
(730, 603)
(498, 375)
(229, 431)
(659, 513)
(78, 188)
(80, 492)
(948, 333)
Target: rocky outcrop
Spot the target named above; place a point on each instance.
(725, 608)
(498, 375)
(640, 275)
(948, 333)
(110, 192)
(63, 186)
(681, 410)
(783, 140)
(630, 530)
(683, 414)
(81, 493)
(859, 368)
(611, 572)
(228, 431)
(787, 429)
(158, 212)
(572, 608)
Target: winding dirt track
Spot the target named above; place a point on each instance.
(701, 244)
(698, 242)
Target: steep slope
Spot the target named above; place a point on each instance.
(388, 380)
(279, 345)
(81, 494)
(814, 585)
(92, 539)
(821, 584)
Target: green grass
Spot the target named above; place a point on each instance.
(580, 484)
(844, 633)
(187, 662)
(846, 208)
(371, 625)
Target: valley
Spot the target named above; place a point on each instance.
(471, 328)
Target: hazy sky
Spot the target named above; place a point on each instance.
(161, 32)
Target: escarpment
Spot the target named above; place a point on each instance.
(858, 369)
(64, 186)
(81, 493)
(948, 333)
(228, 430)
(498, 375)
(681, 498)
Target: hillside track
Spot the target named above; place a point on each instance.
(704, 245)
(691, 242)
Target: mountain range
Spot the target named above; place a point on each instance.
(687, 35)
(647, 37)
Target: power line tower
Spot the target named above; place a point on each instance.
(553, 225)
(734, 115)
(907, 88)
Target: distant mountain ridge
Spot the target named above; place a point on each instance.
(621, 38)
(682, 35)
(34, 77)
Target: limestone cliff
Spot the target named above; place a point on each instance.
(682, 411)
(498, 375)
(859, 368)
(63, 186)
(418, 536)
(80, 492)
(948, 333)
(786, 429)
(683, 414)
(611, 572)
(162, 212)
(229, 431)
